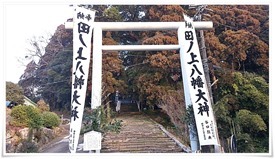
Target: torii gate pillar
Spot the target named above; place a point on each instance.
(97, 68)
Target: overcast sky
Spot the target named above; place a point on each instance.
(22, 22)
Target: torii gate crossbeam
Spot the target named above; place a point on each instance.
(145, 26)
(139, 47)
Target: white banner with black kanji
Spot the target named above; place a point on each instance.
(191, 65)
(82, 33)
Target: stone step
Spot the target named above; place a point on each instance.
(145, 125)
(142, 150)
(139, 129)
(140, 142)
(129, 136)
(138, 134)
(135, 136)
(132, 138)
(128, 108)
(148, 130)
(145, 145)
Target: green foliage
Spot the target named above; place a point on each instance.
(223, 118)
(19, 116)
(112, 14)
(189, 119)
(57, 91)
(97, 120)
(28, 147)
(50, 77)
(26, 116)
(250, 122)
(14, 93)
(35, 119)
(108, 113)
(242, 109)
(91, 120)
(50, 119)
(245, 143)
(113, 126)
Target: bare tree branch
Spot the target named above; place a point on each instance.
(37, 48)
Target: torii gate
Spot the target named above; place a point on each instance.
(128, 26)
(189, 56)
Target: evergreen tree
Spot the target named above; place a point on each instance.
(243, 107)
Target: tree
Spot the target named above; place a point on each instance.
(44, 78)
(173, 104)
(242, 47)
(52, 82)
(56, 88)
(43, 106)
(28, 80)
(112, 69)
(37, 48)
(154, 76)
(112, 14)
(239, 40)
(243, 108)
(14, 93)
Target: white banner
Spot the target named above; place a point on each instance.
(82, 33)
(193, 73)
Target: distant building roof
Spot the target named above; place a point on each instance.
(29, 102)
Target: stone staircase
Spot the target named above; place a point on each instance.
(138, 134)
(128, 108)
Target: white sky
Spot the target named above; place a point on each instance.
(21, 22)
